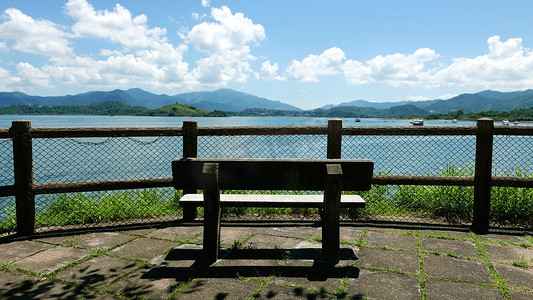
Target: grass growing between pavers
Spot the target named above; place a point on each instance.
(340, 292)
(501, 283)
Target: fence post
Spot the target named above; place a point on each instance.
(23, 169)
(334, 138)
(190, 149)
(483, 175)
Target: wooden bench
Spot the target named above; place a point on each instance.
(329, 175)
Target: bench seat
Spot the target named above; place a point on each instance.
(213, 175)
(260, 200)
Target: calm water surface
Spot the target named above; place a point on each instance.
(133, 121)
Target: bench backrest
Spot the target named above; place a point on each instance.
(272, 174)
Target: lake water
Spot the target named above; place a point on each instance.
(132, 121)
(69, 160)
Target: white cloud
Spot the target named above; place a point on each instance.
(269, 72)
(395, 69)
(308, 70)
(34, 36)
(230, 32)
(8, 82)
(206, 3)
(31, 76)
(226, 42)
(417, 98)
(28, 78)
(198, 17)
(506, 66)
(118, 26)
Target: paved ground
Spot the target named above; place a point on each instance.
(268, 262)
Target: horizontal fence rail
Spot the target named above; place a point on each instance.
(333, 142)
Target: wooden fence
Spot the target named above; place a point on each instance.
(24, 188)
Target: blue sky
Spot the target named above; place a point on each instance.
(305, 53)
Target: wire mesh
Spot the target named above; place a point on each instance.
(64, 160)
(92, 209)
(264, 146)
(416, 155)
(93, 159)
(412, 155)
(70, 160)
(512, 159)
(7, 204)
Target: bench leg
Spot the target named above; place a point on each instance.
(211, 214)
(190, 212)
(330, 227)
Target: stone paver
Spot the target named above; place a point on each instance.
(13, 282)
(218, 288)
(228, 235)
(269, 241)
(406, 261)
(380, 239)
(351, 234)
(101, 240)
(178, 233)
(98, 271)
(456, 269)
(444, 289)
(463, 248)
(143, 248)
(151, 282)
(276, 262)
(301, 273)
(51, 259)
(283, 292)
(515, 275)
(383, 285)
(54, 290)
(508, 252)
(20, 249)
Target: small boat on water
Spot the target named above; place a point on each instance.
(505, 122)
(357, 120)
(454, 121)
(418, 122)
(516, 122)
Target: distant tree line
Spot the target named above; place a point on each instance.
(397, 112)
(109, 108)
(521, 114)
(101, 108)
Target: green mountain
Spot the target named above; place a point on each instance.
(229, 100)
(222, 99)
(482, 101)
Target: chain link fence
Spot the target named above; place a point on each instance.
(7, 203)
(66, 162)
(512, 160)
(416, 156)
(72, 160)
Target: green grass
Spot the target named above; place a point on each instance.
(512, 204)
(454, 203)
(522, 262)
(81, 208)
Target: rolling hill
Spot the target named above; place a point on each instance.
(221, 99)
(484, 100)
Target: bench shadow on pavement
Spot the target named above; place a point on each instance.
(244, 265)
